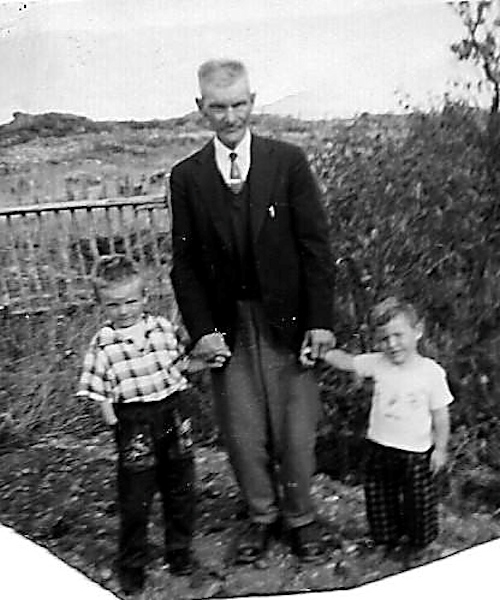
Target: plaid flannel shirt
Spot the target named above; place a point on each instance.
(117, 370)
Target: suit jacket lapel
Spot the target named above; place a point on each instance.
(262, 172)
(208, 180)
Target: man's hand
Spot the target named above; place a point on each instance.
(315, 345)
(213, 349)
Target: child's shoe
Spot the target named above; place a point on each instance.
(181, 562)
(132, 580)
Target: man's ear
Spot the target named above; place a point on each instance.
(252, 98)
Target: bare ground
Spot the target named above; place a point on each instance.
(60, 492)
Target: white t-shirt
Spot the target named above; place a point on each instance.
(403, 398)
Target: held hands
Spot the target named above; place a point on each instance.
(212, 349)
(190, 364)
(315, 345)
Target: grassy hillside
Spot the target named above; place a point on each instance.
(56, 156)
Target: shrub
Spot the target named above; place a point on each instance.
(415, 215)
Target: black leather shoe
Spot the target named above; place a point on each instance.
(132, 580)
(254, 542)
(306, 542)
(181, 562)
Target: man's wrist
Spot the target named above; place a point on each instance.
(210, 333)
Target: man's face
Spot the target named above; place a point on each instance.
(228, 109)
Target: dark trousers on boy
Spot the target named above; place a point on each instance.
(154, 454)
(401, 498)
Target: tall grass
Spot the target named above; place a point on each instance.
(40, 359)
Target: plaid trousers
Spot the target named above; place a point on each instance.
(400, 494)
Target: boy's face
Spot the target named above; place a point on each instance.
(124, 302)
(398, 339)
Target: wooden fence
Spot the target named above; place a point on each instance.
(47, 250)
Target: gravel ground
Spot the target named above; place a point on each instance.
(60, 493)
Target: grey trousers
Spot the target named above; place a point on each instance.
(267, 407)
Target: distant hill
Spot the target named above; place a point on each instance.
(302, 105)
(26, 126)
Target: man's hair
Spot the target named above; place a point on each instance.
(113, 269)
(391, 307)
(220, 72)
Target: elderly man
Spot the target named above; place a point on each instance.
(252, 277)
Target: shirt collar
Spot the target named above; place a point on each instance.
(110, 335)
(242, 149)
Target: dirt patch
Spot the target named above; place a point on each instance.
(60, 492)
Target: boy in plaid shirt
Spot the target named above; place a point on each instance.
(408, 427)
(132, 369)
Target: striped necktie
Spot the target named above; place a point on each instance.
(235, 180)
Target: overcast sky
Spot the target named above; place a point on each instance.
(137, 59)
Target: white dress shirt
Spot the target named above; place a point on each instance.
(243, 159)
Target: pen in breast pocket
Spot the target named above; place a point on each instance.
(272, 211)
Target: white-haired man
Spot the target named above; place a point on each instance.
(252, 277)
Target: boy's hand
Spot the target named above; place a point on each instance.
(192, 365)
(111, 422)
(439, 458)
(108, 414)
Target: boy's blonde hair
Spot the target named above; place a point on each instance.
(391, 307)
(113, 269)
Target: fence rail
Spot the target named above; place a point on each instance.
(47, 250)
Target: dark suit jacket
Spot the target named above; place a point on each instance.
(289, 232)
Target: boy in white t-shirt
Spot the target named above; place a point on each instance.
(408, 426)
